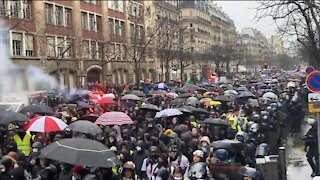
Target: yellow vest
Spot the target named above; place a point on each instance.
(233, 122)
(24, 145)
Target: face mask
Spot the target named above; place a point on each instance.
(265, 117)
(111, 139)
(204, 144)
(177, 178)
(3, 170)
(35, 150)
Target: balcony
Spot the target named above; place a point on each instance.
(167, 6)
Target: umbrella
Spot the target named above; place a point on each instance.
(45, 124)
(161, 86)
(84, 105)
(131, 97)
(106, 101)
(137, 93)
(194, 110)
(206, 94)
(114, 118)
(158, 92)
(230, 91)
(81, 151)
(242, 88)
(204, 84)
(185, 110)
(110, 95)
(168, 113)
(90, 117)
(186, 95)
(180, 90)
(216, 121)
(193, 101)
(37, 109)
(223, 98)
(245, 94)
(191, 88)
(212, 103)
(172, 95)
(86, 127)
(9, 116)
(177, 102)
(270, 95)
(150, 107)
(224, 144)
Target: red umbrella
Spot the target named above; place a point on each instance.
(106, 101)
(114, 118)
(45, 124)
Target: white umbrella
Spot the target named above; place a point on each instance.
(168, 113)
(110, 95)
(131, 97)
(271, 96)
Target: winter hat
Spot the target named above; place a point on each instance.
(198, 153)
(206, 139)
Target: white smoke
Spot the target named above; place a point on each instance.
(14, 79)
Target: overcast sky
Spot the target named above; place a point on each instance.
(243, 12)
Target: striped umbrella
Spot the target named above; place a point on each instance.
(45, 124)
(114, 118)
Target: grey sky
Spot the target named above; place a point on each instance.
(243, 12)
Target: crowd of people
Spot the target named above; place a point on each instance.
(179, 130)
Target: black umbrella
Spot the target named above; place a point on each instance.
(158, 92)
(137, 93)
(150, 107)
(85, 127)
(194, 110)
(223, 98)
(37, 109)
(186, 95)
(90, 117)
(245, 94)
(9, 116)
(242, 88)
(176, 102)
(216, 121)
(81, 151)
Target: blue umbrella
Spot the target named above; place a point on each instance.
(83, 104)
(161, 86)
(204, 84)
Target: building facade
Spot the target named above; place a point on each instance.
(76, 41)
(276, 43)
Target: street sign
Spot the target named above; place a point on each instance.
(314, 102)
(310, 69)
(313, 81)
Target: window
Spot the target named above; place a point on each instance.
(93, 50)
(26, 10)
(135, 9)
(60, 47)
(29, 45)
(67, 17)
(49, 14)
(122, 30)
(59, 15)
(132, 30)
(15, 8)
(84, 20)
(3, 7)
(50, 46)
(16, 44)
(117, 27)
(98, 23)
(68, 50)
(116, 5)
(100, 50)
(111, 26)
(91, 22)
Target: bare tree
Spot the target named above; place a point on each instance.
(298, 19)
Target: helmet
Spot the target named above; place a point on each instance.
(256, 118)
(197, 171)
(248, 172)
(37, 145)
(222, 154)
(241, 136)
(262, 150)
(129, 165)
(162, 174)
(254, 128)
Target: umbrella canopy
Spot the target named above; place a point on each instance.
(224, 144)
(137, 93)
(204, 84)
(172, 95)
(90, 117)
(270, 95)
(216, 121)
(176, 102)
(193, 101)
(245, 94)
(168, 113)
(213, 103)
(114, 118)
(83, 105)
(85, 127)
(110, 95)
(81, 151)
(150, 107)
(223, 98)
(194, 110)
(37, 109)
(161, 86)
(106, 101)
(131, 97)
(45, 124)
(158, 92)
(231, 91)
(9, 116)
(242, 88)
(186, 95)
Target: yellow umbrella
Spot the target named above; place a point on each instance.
(205, 100)
(213, 103)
